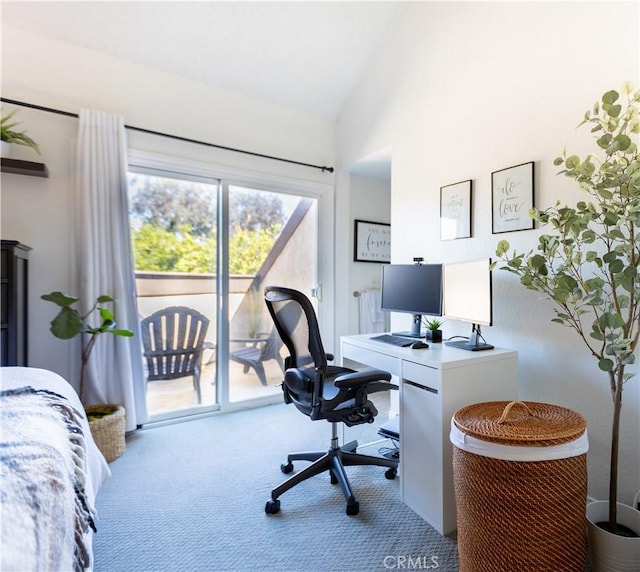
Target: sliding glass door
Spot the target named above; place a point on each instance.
(271, 240)
(212, 245)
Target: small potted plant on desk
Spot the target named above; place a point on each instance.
(107, 421)
(434, 333)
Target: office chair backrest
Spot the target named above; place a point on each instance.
(296, 322)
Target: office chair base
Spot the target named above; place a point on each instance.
(334, 460)
(272, 507)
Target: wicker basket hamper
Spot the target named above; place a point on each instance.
(107, 429)
(520, 479)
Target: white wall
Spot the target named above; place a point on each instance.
(463, 89)
(39, 212)
(369, 199)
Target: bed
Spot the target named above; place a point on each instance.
(50, 473)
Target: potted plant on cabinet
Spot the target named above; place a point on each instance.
(105, 420)
(590, 268)
(9, 135)
(434, 333)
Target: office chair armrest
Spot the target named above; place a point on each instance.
(381, 386)
(357, 378)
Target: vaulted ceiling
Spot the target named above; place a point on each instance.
(305, 55)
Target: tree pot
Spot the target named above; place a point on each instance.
(612, 552)
(107, 424)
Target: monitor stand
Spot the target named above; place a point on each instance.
(473, 344)
(415, 328)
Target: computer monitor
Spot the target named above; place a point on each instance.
(467, 294)
(414, 289)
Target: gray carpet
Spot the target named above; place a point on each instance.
(190, 497)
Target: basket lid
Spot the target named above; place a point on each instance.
(518, 422)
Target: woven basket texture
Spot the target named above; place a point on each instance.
(518, 516)
(523, 423)
(108, 431)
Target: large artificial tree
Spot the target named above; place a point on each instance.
(588, 264)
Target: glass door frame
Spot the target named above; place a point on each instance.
(162, 165)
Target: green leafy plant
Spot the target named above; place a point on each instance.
(589, 266)
(69, 323)
(433, 324)
(8, 134)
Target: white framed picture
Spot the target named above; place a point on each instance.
(512, 198)
(372, 242)
(455, 210)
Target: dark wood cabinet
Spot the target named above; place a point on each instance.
(13, 306)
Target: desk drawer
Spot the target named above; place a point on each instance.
(423, 375)
(371, 358)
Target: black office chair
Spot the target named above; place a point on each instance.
(322, 391)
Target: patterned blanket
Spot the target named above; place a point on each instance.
(42, 492)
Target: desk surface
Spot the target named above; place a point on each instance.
(437, 355)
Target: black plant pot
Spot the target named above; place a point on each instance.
(434, 336)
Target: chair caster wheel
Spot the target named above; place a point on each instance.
(353, 508)
(286, 468)
(272, 507)
(391, 474)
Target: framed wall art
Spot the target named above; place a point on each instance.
(511, 198)
(455, 211)
(372, 242)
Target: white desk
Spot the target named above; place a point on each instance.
(434, 384)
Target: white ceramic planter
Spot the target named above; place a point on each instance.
(610, 552)
(4, 148)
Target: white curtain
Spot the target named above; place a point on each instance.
(105, 265)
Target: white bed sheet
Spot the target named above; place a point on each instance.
(97, 469)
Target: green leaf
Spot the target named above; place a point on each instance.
(538, 262)
(616, 266)
(61, 299)
(125, 333)
(624, 141)
(613, 110)
(104, 298)
(604, 141)
(106, 314)
(66, 324)
(605, 364)
(615, 321)
(572, 162)
(502, 248)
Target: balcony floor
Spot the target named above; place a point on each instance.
(179, 394)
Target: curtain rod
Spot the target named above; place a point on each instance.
(177, 137)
